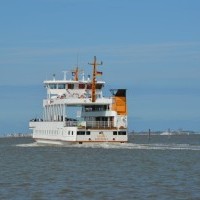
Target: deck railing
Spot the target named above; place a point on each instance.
(99, 124)
(71, 123)
(90, 124)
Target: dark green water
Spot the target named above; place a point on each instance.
(160, 168)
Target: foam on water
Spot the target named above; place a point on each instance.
(34, 144)
(121, 146)
(140, 146)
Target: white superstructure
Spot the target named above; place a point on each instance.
(75, 111)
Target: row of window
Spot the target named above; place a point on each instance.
(88, 133)
(119, 133)
(72, 86)
(53, 132)
(83, 132)
(57, 132)
(96, 108)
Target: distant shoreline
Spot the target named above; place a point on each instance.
(163, 133)
(16, 135)
(153, 133)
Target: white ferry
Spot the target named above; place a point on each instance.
(98, 119)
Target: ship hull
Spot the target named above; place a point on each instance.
(63, 143)
(58, 134)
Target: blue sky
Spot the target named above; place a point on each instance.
(152, 48)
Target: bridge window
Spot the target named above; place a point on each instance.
(61, 86)
(89, 86)
(52, 86)
(81, 86)
(70, 86)
(98, 86)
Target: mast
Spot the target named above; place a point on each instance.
(94, 73)
(76, 72)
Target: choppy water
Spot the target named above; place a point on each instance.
(160, 168)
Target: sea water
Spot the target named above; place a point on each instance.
(160, 167)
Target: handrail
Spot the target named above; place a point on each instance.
(99, 124)
(90, 124)
(84, 124)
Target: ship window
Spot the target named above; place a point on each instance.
(98, 86)
(89, 86)
(52, 86)
(61, 86)
(88, 108)
(114, 132)
(122, 133)
(87, 132)
(70, 86)
(72, 132)
(81, 86)
(68, 132)
(80, 132)
(96, 108)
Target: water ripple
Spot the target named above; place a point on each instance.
(122, 146)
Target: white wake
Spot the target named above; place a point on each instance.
(121, 146)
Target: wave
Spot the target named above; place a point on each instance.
(35, 144)
(121, 146)
(141, 146)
